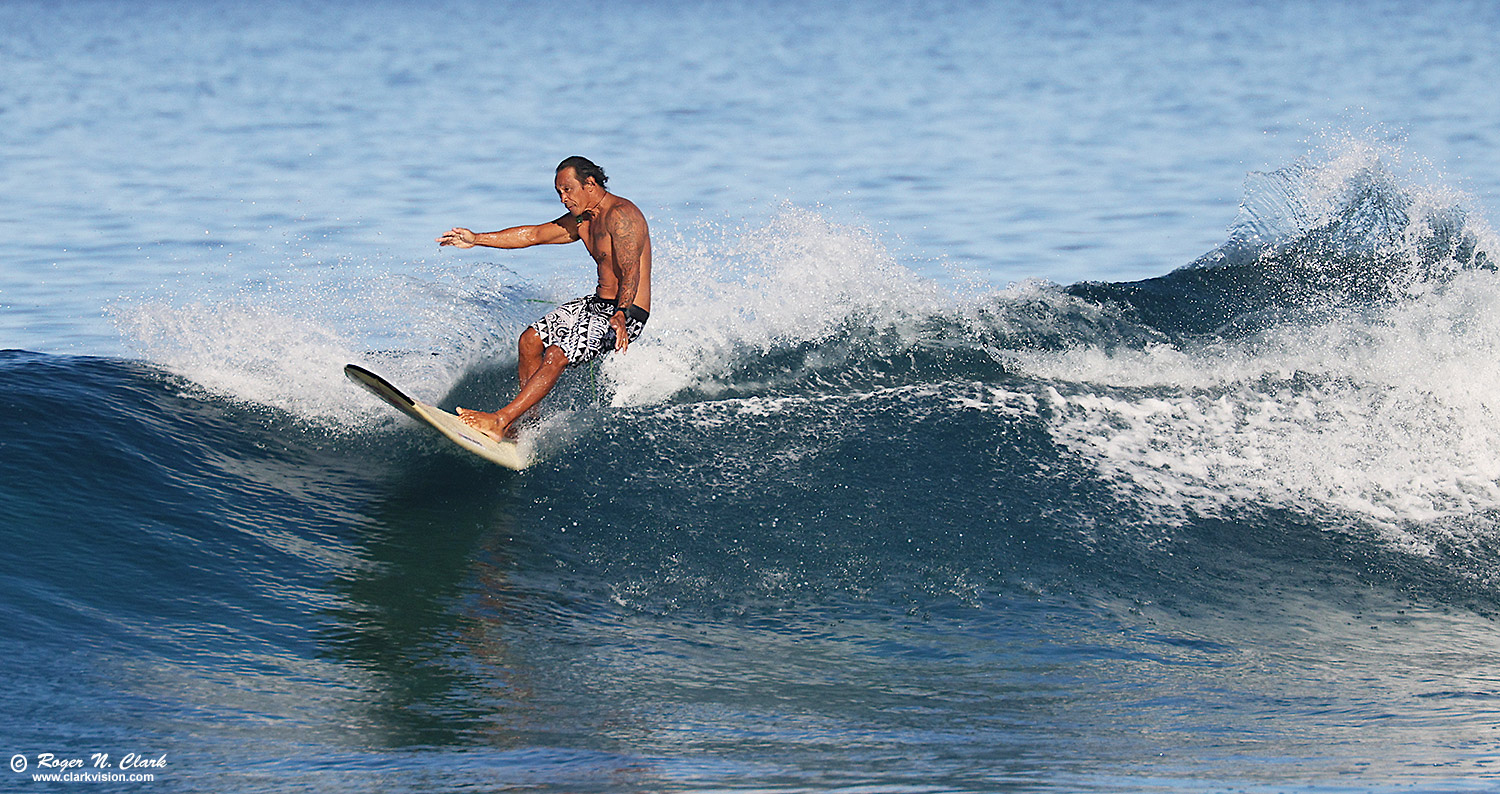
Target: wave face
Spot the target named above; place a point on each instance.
(824, 511)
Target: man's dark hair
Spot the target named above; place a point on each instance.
(583, 168)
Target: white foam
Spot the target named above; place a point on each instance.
(1390, 415)
(252, 354)
(283, 343)
(1385, 415)
(724, 293)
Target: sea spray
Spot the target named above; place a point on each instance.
(728, 295)
(282, 343)
(1340, 365)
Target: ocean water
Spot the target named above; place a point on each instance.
(1038, 397)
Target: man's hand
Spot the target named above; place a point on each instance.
(622, 337)
(457, 236)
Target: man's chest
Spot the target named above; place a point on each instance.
(596, 238)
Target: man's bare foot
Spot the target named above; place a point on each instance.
(486, 423)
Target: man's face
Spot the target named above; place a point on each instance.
(575, 196)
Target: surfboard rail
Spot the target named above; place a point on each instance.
(509, 454)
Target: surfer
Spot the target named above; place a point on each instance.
(614, 231)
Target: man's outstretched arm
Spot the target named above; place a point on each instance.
(562, 230)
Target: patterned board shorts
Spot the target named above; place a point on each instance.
(581, 328)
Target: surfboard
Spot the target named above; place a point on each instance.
(506, 453)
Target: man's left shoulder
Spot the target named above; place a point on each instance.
(624, 205)
(624, 212)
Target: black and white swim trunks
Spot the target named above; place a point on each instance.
(581, 328)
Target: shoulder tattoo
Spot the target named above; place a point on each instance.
(625, 228)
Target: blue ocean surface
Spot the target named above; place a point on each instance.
(1037, 397)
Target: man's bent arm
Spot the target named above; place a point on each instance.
(627, 231)
(628, 234)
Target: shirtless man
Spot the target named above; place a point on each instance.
(614, 232)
